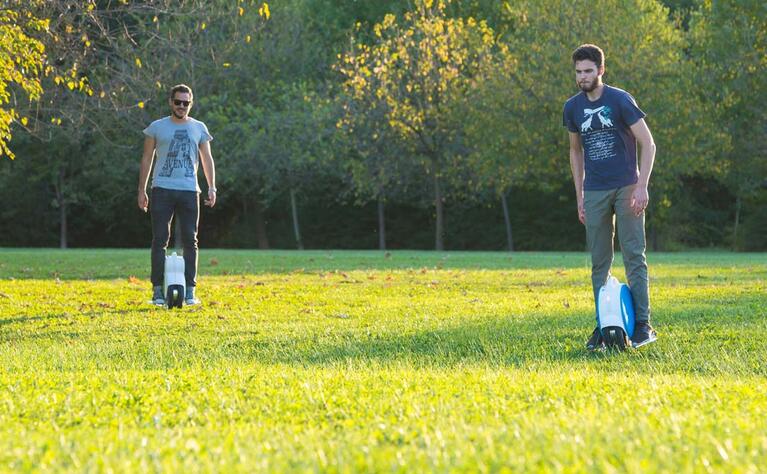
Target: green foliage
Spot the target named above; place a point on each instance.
(729, 40)
(21, 63)
(411, 361)
(734, 48)
(434, 108)
(416, 72)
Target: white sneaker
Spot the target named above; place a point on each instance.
(190, 299)
(157, 297)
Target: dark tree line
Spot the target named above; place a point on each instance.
(400, 124)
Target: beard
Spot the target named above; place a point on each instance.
(588, 87)
(177, 115)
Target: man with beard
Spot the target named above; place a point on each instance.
(604, 125)
(180, 143)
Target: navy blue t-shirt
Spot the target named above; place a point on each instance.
(610, 149)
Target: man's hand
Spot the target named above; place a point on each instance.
(581, 212)
(639, 199)
(211, 201)
(143, 200)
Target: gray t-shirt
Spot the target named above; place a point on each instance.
(177, 146)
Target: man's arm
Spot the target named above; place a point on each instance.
(640, 198)
(143, 176)
(577, 168)
(209, 168)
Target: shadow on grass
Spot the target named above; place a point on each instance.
(732, 347)
(499, 342)
(26, 319)
(70, 316)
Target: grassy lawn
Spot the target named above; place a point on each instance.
(365, 361)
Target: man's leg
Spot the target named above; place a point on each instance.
(189, 216)
(161, 207)
(631, 234)
(600, 233)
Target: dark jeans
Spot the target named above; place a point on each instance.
(163, 204)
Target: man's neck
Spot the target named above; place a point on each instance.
(179, 120)
(597, 92)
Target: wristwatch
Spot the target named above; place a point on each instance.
(212, 189)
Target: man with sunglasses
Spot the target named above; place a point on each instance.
(180, 144)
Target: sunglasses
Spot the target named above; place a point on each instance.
(185, 103)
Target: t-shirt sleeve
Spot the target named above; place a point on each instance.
(151, 130)
(567, 117)
(205, 135)
(630, 111)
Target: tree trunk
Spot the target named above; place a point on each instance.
(63, 216)
(263, 241)
(381, 223)
(507, 221)
(60, 199)
(738, 204)
(439, 243)
(296, 229)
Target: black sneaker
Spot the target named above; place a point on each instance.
(596, 342)
(643, 334)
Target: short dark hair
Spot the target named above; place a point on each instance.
(180, 88)
(591, 52)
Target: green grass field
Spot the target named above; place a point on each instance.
(364, 361)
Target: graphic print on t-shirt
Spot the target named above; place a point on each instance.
(603, 113)
(600, 143)
(179, 155)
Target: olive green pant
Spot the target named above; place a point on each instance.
(603, 209)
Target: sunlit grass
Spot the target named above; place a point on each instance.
(360, 361)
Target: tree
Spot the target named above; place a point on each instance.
(729, 45)
(376, 156)
(270, 111)
(22, 57)
(291, 140)
(420, 68)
